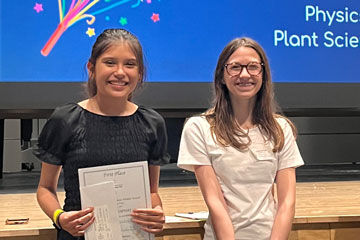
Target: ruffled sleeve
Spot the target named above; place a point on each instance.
(158, 150)
(54, 137)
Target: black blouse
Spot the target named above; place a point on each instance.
(76, 138)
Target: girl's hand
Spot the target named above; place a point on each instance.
(75, 222)
(150, 220)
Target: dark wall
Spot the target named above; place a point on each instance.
(327, 115)
(325, 138)
(174, 128)
(329, 139)
(179, 95)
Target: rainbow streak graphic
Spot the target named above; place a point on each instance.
(75, 13)
(136, 4)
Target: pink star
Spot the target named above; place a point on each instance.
(148, 1)
(38, 7)
(155, 17)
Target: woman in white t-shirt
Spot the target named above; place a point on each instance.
(240, 147)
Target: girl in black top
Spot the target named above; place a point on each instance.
(105, 129)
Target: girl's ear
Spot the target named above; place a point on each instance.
(90, 68)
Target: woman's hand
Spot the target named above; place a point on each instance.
(75, 222)
(150, 220)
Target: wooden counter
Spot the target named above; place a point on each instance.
(324, 211)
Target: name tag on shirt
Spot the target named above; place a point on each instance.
(262, 152)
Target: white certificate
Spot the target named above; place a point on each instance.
(132, 190)
(106, 225)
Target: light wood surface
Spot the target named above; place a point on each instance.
(326, 210)
(327, 202)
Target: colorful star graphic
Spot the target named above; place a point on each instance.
(38, 7)
(90, 32)
(148, 1)
(123, 21)
(155, 17)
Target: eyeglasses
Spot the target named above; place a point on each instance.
(253, 68)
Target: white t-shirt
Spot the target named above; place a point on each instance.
(246, 177)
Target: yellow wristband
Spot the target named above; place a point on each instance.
(56, 215)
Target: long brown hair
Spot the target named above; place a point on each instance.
(221, 116)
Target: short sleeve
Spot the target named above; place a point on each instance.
(159, 154)
(193, 149)
(51, 146)
(290, 155)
